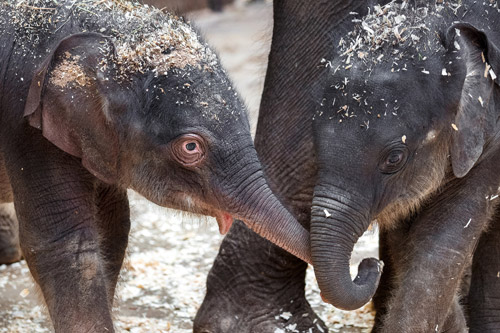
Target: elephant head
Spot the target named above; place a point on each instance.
(406, 109)
(163, 120)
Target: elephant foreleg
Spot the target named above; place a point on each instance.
(55, 203)
(455, 321)
(441, 244)
(392, 250)
(484, 293)
(390, 242)
(114, 226)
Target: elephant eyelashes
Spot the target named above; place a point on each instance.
(394, 160)
(189, 149)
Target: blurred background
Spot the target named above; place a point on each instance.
(170, 253)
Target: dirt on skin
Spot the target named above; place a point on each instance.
(170, 253)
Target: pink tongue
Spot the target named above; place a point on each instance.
(225, 221)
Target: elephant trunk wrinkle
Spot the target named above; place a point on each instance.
(262, 212)
(335, 228)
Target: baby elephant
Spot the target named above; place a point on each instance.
(101, 96)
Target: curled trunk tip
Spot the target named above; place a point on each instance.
(332, 241)
(362, 288)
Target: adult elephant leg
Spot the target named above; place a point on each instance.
(484, 293)
(443, 240)
(10, 251)
(113, 226)
(55, 203)
(252, 287)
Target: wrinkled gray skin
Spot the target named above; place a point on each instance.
(85, 118)
(252, 281)
(426, 241)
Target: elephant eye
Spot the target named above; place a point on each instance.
(189, 149)
(191, 146)
(394, 160)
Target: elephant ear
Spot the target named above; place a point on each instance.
(476, 116)
(68, 102)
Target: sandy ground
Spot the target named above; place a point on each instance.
(163, 281)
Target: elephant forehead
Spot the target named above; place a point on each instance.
(357, 99)
(385, 33)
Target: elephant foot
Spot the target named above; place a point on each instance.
(220, 315)
(10, 251)
(10, 255)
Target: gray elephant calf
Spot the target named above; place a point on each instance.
(412, 107)
(101, 96)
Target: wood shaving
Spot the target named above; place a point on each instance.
(69, 72)
(493, 75)
(487, 68)
(24, 293)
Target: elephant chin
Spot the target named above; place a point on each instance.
(332, 241)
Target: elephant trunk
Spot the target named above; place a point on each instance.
(256, 205)
(335, 227)
(262, 212)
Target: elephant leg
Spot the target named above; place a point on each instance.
(455, 322)
(215, 5)
(441, 244)
(389, 242)
(10, 251)
(55, 203)
(251, 284)
(392, 253)
(114, 226)
(484, 293)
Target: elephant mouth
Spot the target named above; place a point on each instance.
(195, 206)
(225, 221)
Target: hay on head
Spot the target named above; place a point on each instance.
(145, 38)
